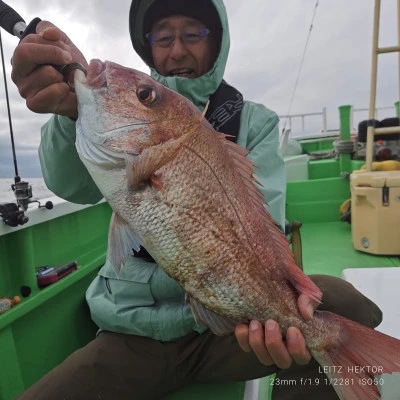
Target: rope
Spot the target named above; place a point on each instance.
(339, 147)
(324, 155)
(343, 146)
(301, 64)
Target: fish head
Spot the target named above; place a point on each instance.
(127, 111)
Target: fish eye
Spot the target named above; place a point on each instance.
(146, 94)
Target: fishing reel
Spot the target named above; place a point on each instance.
(13, 214)
(23, 193)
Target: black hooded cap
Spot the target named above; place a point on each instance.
(201, 10)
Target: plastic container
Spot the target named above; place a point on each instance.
(6, 303)
(297, 167)
(375, 211)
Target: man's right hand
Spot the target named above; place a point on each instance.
(268, 344)
(40, 84)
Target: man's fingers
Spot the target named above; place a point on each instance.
(242, 336)
(257, 343)
(37, 55)
(276, 347)
(269, 346)
(55, 99)
(37, 50)
(306, 306)
(296, 346)
(52, 33)
(35, 74)
(39, 79)
(48, 30)
(48, 99)
(46, 92)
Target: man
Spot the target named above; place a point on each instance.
(149, 344)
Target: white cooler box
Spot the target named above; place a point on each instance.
(375, 211)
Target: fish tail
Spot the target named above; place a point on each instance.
(354, 362)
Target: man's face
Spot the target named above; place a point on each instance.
(182, 57)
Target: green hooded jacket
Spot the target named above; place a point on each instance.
(143, 300)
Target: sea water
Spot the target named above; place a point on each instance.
(39, 189)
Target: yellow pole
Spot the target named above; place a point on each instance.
(398, 40)
(372, 101)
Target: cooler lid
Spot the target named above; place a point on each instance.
(375, 178)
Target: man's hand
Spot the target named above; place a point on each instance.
(38, 82)
(268, 344)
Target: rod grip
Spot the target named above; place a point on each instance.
(8, 17)
(31, 28)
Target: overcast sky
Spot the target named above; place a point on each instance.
(267, 43)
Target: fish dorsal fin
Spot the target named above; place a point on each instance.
(219, 324)
(140, 168)
(245, 168)
(121, 240)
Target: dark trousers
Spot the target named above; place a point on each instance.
(117, 367)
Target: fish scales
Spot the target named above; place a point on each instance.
(188, 196)
(217, 239)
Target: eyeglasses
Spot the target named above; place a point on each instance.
(165, 38)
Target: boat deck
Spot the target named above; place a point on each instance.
(328, 249)
(70, 232)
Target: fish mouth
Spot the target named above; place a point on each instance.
(96, 74)
(97, 77)
(99, 123)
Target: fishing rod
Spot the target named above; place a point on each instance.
(301, 65)
(14, 214)
(14, 24)
(8, 106)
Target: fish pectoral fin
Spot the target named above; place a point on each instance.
(121, 240)
(139, 169)
(219, 324)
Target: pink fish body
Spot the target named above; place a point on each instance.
(187, 194)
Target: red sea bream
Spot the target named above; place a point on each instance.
(187, 194)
